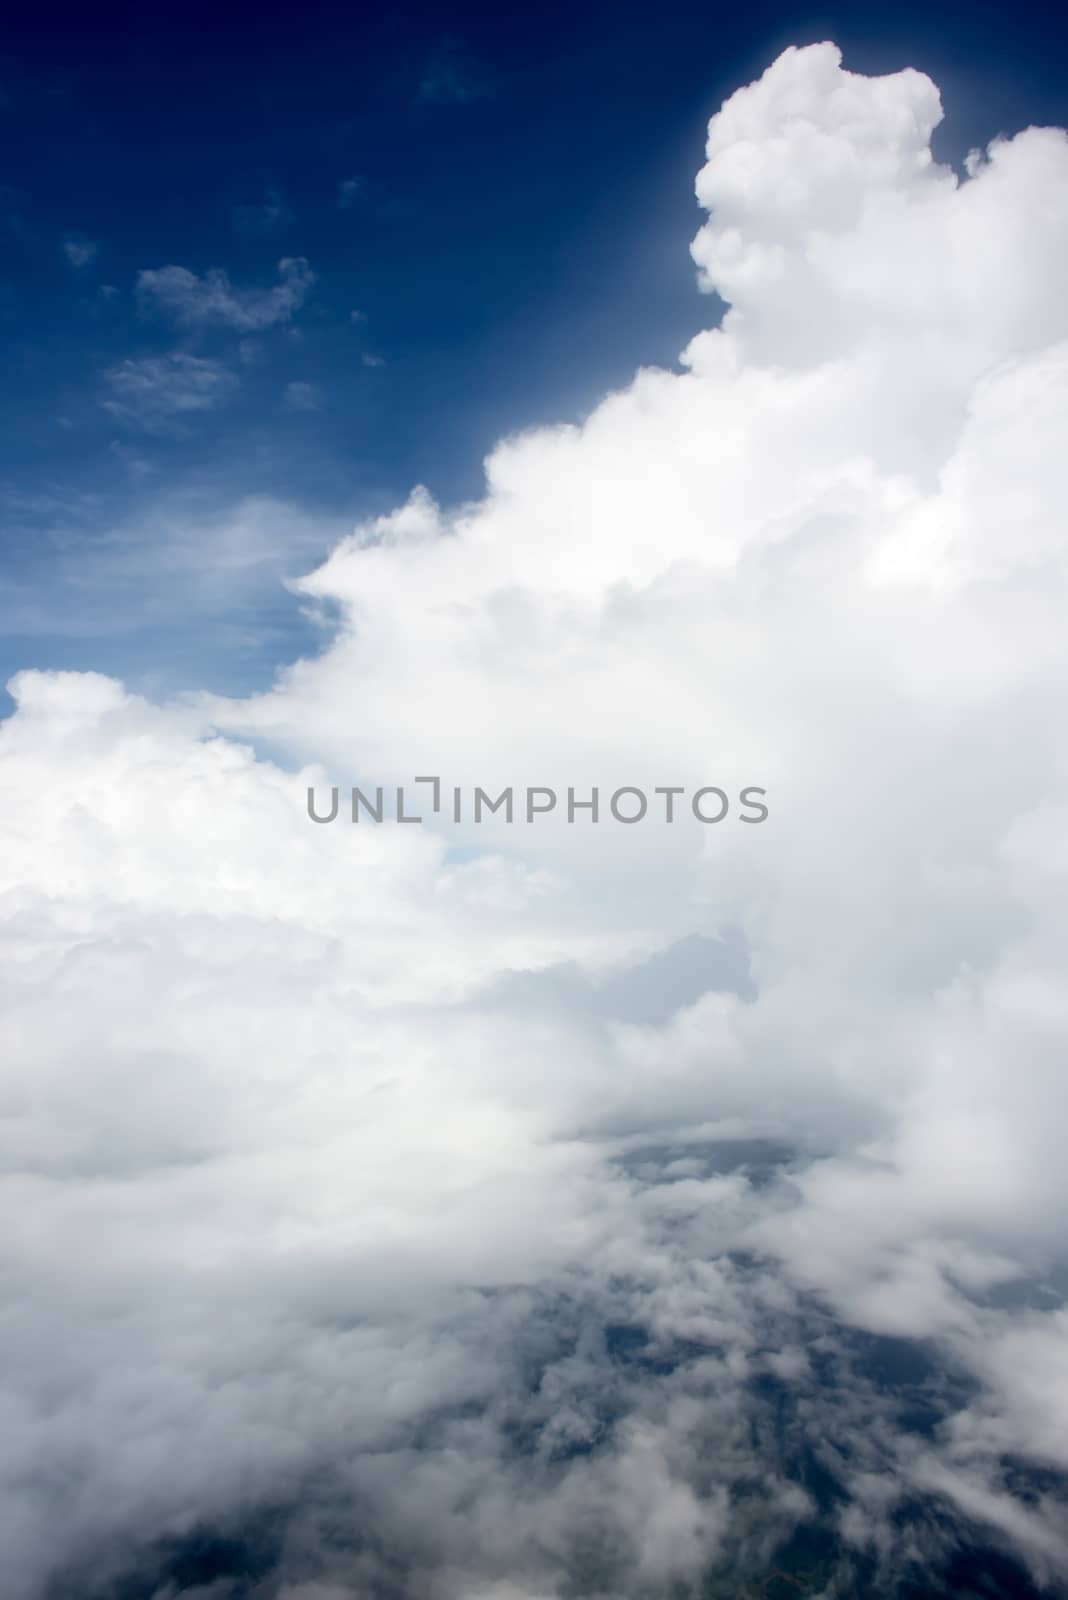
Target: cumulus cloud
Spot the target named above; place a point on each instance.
(213, 301)
(489, 1209)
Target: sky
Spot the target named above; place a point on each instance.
(491, 216)
(654, 1186)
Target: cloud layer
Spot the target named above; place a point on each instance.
(514, 1211)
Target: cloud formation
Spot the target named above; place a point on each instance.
(350, 191)
(155, 393)
(79, 252)
(303, 396)
(452, 76)
(213, 301)
(494, 1211)
(265, 216)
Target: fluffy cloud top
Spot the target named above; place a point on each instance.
(488, 1210)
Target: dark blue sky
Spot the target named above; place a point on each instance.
(503, 196)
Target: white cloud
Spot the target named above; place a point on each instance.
(212, 300)
(346, 1162)
(79, 252)
(158, 392)
(302, 396)
(177, 578)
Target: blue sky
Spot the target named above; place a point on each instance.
(485, 217)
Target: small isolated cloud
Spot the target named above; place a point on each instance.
(157, 392)
(452, 76)
(266, 216)
(135, 466)
(349, 191)
(356, 317)
(213, 301)
(303, 397)
(370, 360)
(79, 252)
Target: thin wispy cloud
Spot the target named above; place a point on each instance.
(453, 76)
(160, 393)
(212, 300)
(301, 396)
(79, 252)
(265, 216)
(350, 191)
